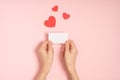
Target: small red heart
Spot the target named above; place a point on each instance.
(50, 22)
(55, 8)
(65, 15)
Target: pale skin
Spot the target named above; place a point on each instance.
(46, 52)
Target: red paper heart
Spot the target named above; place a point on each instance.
(50, 22)
(55, 8)
(65, 15)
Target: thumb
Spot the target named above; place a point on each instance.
(67, 47)
(50, 48)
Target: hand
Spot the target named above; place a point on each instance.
(45, 52)
(70, 54)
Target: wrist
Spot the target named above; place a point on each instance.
(73, 75)
(46, 68)
(42, 75)
(71, 69)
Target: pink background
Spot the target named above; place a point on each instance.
(94, 26)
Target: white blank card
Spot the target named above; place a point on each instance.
(58, 37)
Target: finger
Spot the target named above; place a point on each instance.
(50, 48)
(66, 46)
(63, 49)
(44, 45)
(72, 45)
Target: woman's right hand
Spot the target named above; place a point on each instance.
(70, 54)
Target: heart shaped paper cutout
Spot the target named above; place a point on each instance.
(65, 15)
(55, 8)
(51, 22)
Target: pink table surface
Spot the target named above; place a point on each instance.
(94, 26)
